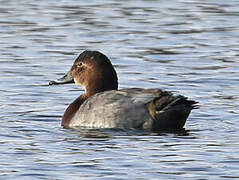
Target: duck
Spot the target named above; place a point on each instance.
(103, 105)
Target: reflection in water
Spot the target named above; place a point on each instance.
(106, 134)
(188, 47)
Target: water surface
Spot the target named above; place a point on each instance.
(188, 47)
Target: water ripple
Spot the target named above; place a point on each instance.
(188, 47)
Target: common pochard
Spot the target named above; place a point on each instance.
(102, 105)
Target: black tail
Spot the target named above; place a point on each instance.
(170, 112)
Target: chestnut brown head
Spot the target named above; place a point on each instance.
(92, 70)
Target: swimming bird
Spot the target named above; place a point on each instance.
(102, 105)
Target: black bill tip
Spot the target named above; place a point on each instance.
(67, 78)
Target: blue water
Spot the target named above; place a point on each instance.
(188, 47)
